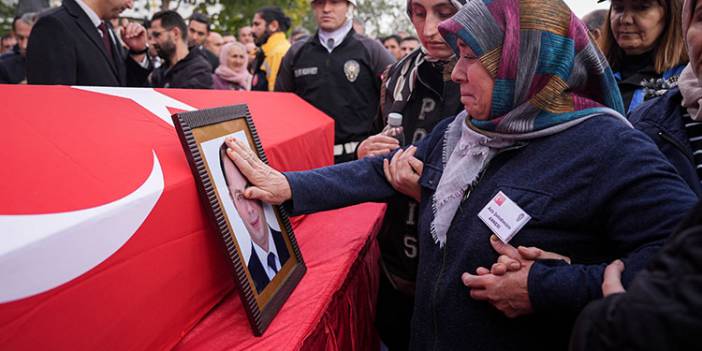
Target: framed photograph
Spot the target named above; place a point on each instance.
(258, 237)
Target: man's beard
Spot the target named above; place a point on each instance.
(166, 50)
(263, 39)
(193, 43)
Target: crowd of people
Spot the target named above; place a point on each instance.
(591, 127)
(199, 37)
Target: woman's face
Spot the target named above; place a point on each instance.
(694, 40)
(426, 16)
(637, 24)
(236, 58)
(475, 81)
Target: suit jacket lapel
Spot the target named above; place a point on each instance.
(119, 52)
(90, 31)
(280, 246)
(258, 273)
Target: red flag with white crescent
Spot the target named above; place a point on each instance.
(103, 240)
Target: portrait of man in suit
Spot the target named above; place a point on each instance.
(268, 250)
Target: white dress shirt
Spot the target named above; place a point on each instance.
(337, 35)
(263, 255)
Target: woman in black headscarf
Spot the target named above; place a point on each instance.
(419, 88)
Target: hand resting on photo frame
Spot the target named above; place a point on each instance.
(267, 184)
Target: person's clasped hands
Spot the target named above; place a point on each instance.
(504, 284)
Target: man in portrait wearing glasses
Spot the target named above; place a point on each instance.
(268, 250)
(182, 68)
(74, 44)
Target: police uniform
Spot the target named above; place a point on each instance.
(343, 83)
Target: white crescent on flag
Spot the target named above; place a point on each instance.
(40, 252)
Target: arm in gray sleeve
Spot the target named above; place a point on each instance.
(380, 58)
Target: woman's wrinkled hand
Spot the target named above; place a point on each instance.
(504, 284)
(403, 172)
(517, 257)
(612, 281)
(267, 184)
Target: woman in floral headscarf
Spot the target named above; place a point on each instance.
(542, 136)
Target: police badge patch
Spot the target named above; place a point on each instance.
(351, 70)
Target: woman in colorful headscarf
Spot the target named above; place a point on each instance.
(542, 137)
(644, 46)
(232, 73)
(419, 87)
(665, 298)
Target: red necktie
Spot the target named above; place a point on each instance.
(106, 41)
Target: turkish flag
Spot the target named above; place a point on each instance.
(104, 243)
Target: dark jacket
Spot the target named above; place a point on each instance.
(192, 72)
(65, 48)
(631, 72)
(211, 58)
(432, 98)
(661, 310)
(258, 273)
(596, 192)
(344, 84)
(12, 67)
(661, 119)
(634, 76)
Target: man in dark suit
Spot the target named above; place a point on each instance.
(74, 45)
(261, 274)
(268, 249)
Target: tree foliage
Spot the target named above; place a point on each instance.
(7, 13)
(381, 17)
(238, 13)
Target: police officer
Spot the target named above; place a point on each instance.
(337, 71)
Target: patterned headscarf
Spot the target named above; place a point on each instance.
(456, 3)
(548, 73)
